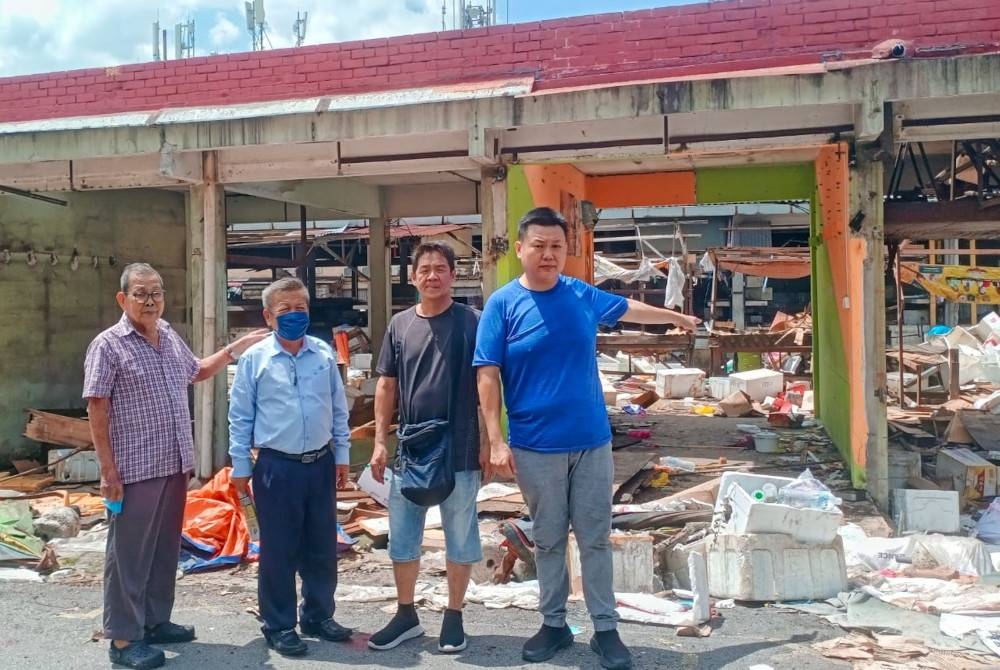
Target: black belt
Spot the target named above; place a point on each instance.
(307, 457)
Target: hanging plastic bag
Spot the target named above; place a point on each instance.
(674, 296)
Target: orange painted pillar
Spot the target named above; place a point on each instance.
(562, 187)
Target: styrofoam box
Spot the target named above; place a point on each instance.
(988, 326)
(762, 567)
(680, 382)
(361, 361)
(811, 526)
(718, 387)
(758, 384)
(81, 467)
(924, 511)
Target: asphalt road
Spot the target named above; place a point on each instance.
(51, 626)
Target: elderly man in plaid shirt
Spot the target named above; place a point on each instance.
(135, 382)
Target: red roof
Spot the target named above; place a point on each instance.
(680, 41)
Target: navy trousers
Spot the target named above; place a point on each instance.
(296, 508)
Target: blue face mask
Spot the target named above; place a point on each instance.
(293, 325)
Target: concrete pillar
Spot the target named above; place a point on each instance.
(866, 193)
(207, 296)
(738, 301)
(493, 199)
(379, 282)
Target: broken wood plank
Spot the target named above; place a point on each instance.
(922, 484)
(23, 465)
(982, 427)
(349, 495)
(705, 492)
(29, 483)
(59, 429)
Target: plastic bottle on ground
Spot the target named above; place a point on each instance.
(680, 464)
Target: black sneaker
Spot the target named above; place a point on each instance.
(285, 642)
(452, 638)
(137, 655)
(613, 652)
(404, 626)
(544, 644)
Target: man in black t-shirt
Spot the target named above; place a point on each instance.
(416, 366)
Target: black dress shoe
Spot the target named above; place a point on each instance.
(285, 642)
(544, 644)
(328, 630)
(169, 633)
(137, 655)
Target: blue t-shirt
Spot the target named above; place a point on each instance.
(545, 344)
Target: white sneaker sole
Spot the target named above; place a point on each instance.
(416, 631)
(453, 649)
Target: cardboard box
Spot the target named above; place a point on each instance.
(961, 469)
(736, 405)
(758, 384)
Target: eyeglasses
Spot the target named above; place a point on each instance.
(143, 297)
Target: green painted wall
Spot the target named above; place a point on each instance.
(830, 379)
(798, 182)
(755, 183)
(52, 312)
(519, 201)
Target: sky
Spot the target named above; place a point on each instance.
(52, 35)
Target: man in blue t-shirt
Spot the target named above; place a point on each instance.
(538, 334)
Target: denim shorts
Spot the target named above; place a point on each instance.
(459, 519)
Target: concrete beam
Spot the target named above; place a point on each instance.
(184, 167)
(44, 176)
(915, 79)
(90, 174)
(964, 219)
(445, 199)
(249, 209)
(344, 196)
(318, 160)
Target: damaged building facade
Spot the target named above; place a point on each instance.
(743, 101)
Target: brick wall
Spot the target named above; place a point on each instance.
(670, 41)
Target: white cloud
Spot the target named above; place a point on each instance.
(224, 33)
(52, 35)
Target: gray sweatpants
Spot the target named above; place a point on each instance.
(140, 567)
(564, 489)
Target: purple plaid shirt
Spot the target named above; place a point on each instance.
(150, 421)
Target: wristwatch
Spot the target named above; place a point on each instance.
(232, 354)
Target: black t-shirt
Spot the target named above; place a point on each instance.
(418, 351)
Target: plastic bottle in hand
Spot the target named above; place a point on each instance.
(250, 514)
